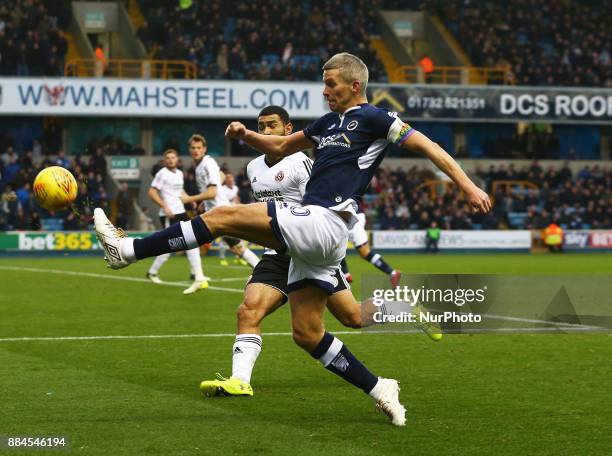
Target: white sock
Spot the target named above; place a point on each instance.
(127, 250)
(195, 262)
(245, 352)
(250, 258)
(377, 390)
(222, 250)
(158, 263)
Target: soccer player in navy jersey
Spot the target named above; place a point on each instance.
(350, 143)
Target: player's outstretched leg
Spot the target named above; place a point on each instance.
(249, 221)
(259, 301)
(379, 262)
(307, 307)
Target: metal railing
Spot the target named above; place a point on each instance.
(131, 68)
(454, 75)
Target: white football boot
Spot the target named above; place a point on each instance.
(111, 238)
(389, 403)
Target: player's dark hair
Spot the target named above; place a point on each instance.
(280, 112)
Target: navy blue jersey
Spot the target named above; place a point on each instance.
(349, 148)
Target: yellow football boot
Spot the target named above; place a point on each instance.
(225, 387)
(432, 329)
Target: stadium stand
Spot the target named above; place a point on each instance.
(565, 43)
(243, 40)
(397, 199)
(31, 37)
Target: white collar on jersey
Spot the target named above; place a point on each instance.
(348, 110)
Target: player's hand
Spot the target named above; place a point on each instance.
(168, 213)
(186, 199)
(235, 130)
(479, 201)
(201, 207)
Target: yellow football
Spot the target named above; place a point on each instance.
(55, 188)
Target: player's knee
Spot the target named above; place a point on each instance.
(306, 339)
(250, 312)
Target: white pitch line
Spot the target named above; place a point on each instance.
(557, 325)
(110, 277)
(271, 334)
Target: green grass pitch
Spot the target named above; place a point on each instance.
(468, 395)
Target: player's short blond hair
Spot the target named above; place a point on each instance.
(170, 151)
(351, 69)
(197, 138)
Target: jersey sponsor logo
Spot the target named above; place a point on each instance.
(338, 198)
(352, 125)
(279, 176)
(299, 211)
(335, 140)
(267, 195)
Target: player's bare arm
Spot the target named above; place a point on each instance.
(208, 194)
(157, 199)
(477, 198)
(279, 146)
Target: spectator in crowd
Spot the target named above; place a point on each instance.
(427, 65)
(553, 238)
(432, 237)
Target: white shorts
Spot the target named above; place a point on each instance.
(315, 237)
(358, 235)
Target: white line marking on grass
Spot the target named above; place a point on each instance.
(270, 334)
(111, 277)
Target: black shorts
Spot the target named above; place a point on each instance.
(231, 241)
(177, 218)
(272, 270)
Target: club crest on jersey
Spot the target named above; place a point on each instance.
(352, 125)
(279, 176)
